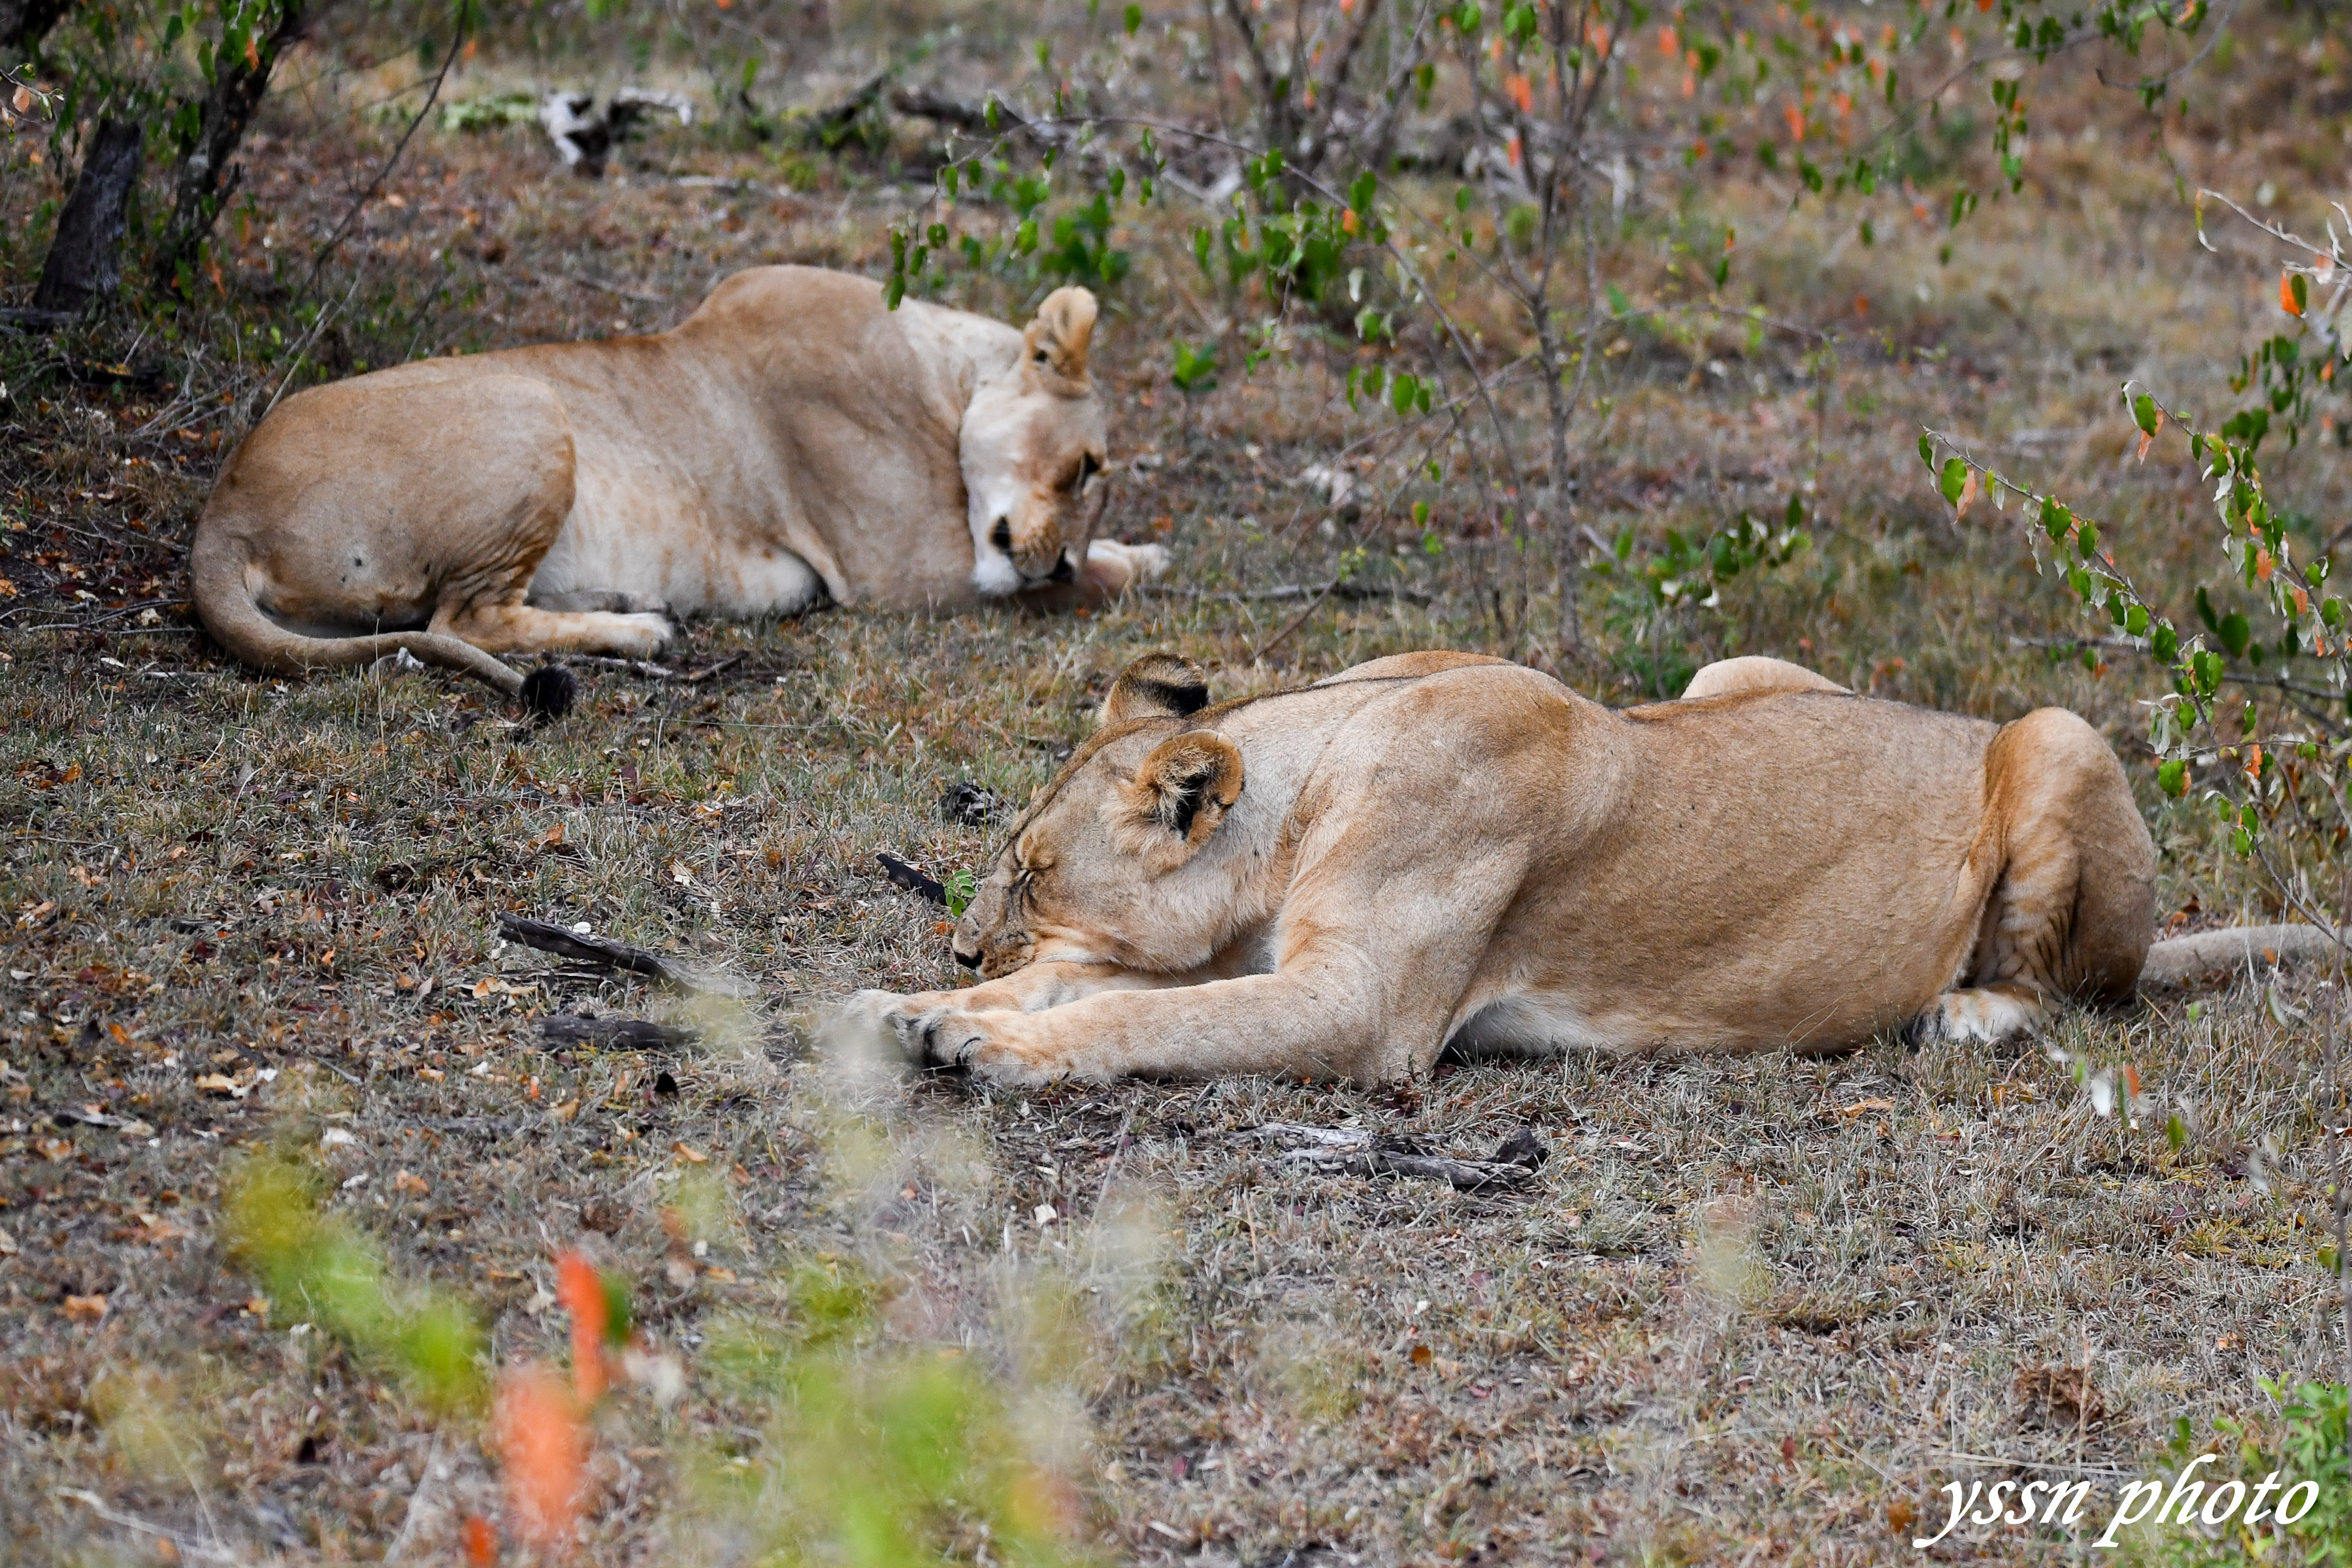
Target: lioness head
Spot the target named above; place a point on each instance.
(1085, 877)
(1033, 450)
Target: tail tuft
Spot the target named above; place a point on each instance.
(548, 693)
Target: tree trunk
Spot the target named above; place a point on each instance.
(24, 24)
(85, 261)
(208, 174)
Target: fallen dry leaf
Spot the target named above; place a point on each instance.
(8, 1245)
(411, 1184)
(85, 1309)
(1863, 1106)
(2060, 1396)
(54, 1148)
(686, 1152)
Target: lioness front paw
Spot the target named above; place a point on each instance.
(1976, 1015)
(1113, 568)
(977, 1043)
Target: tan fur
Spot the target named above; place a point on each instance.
(1442, 850)
(791, 441)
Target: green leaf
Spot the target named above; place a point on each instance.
(2144, 413)
(2235, 632)
(2086, 539)
(2136, 620)
(2055, 518)
(1134, 19)
(1955, 479)
(2172, 777)
(1927, 451)
(2165, 643)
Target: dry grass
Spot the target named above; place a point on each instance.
(1753, 1311)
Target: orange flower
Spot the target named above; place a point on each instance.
(583, 1295)
(541, 1447)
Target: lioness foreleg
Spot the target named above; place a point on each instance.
(1309, 1024)
(1029, 989)
(1112, 568)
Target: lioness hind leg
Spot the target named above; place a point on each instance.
(522, 628)
(2072, 904)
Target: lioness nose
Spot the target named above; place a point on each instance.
(968, 960)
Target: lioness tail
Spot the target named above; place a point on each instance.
(216, 578)
(2210, 955)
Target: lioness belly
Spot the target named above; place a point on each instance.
(654, 545)
(1799, 874)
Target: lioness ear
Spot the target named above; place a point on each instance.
(1178, 797)
(1059, 339)
(1158, 685)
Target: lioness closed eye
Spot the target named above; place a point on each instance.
(1340, 880)
(793, 441)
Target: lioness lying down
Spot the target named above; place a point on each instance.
(791, 441)
(1440, 849)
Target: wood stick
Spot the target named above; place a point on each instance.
(606, 953)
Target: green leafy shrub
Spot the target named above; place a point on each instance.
(2311, 1446)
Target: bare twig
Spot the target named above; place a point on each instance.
(602, 288)
(628, 1034)
(1352, 1152)
(319, 258)
(651, 672)
(187, 1545)
(565, 943)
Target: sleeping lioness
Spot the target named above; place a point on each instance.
(1441, 849)
(793, 441)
